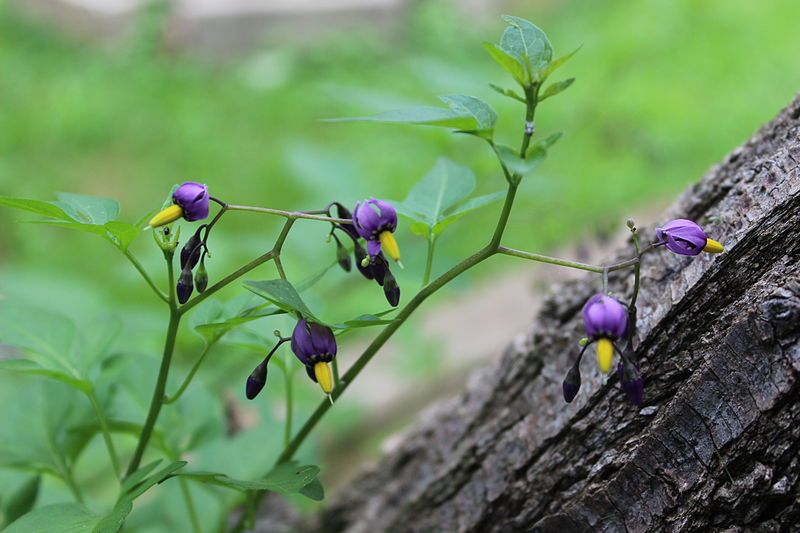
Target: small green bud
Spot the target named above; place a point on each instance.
(583, 342)
(201, 278)
(366, 262)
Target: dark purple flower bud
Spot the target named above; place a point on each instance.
(375, 221)
(572, 383)
(193, 199)
(201, 278)
(343, 256)
(390, 289)
(631, 382)
(190, 253)
(185, 286)
(256, 380)
(313, 343)
(684, 237)
(604, 317)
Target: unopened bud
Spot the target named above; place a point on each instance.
(190, 253)
(631, 224)
(572, 383)
(343, 257)
(185, 286)
(201, 278)
(256, 381)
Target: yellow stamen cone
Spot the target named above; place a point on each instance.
(322, 371)
(165, 216)
(389, 245)
(605, 355)
(713, 247)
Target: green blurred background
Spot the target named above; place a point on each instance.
(664, 89)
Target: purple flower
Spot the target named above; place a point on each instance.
(605, 320)
(315, 347)
(631, 382)
(684, 237)
(604, 316)
(193, 199)
(375, 221)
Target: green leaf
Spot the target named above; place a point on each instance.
(121, 234)
(214, 319)
(508, 62)
(283, 294)
(558, 63)
(518, 166)
(136, 490)
(528, 44)
(365, 321)
(23, 499)
(47, 209)
(31, 368)
(549, 141)
(286, 478)
(88, 209)
(440, 198)
(314, 490)
(138, 476)
(510, 93)
(555, 88)
(485, 117)
(422, 115)
(468, 206)
(58, 518)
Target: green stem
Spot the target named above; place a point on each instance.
(287, 428)
(550, 260)
(161, 381)
(279, 267)
(636, 270)
(335, 365)
(174, 398)
(190, 508)
(291, 215)
(135, 262)
(69, 479)
(426, 277)
(106, 430)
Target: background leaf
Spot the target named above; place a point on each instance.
(286, 478)
(283, 294)
(485, 117)
(555, 88)
(422, 115)
(440, 198)
(23, 499)
(61, 517)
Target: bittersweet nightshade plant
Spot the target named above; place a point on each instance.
(441, 197)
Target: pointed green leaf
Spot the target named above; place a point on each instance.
(440, 189)
(423, 115)
(508, 62)
(558, 63)
(555, 88)
(47, 209)
(88, 209)
(286, 478)
(470, 205)
(314, 490)
(518, 166)
(23, 500)
(485, 117)
(510, 93)
(31, 368)
(66, 517)
(283, 294)
(528, 44)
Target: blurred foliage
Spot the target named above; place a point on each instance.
(664, 89)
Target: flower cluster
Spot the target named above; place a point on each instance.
(607, 321)
(375, 222)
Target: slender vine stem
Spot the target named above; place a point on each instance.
(138, 266)
(539, 258)
(163, 372)
(291, 215)
(426, 277)
(190, 376)
(106, 431)
(190, 508)
(287, 428)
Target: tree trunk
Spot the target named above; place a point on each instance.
(715, 445)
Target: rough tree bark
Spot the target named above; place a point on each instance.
(715, 445)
